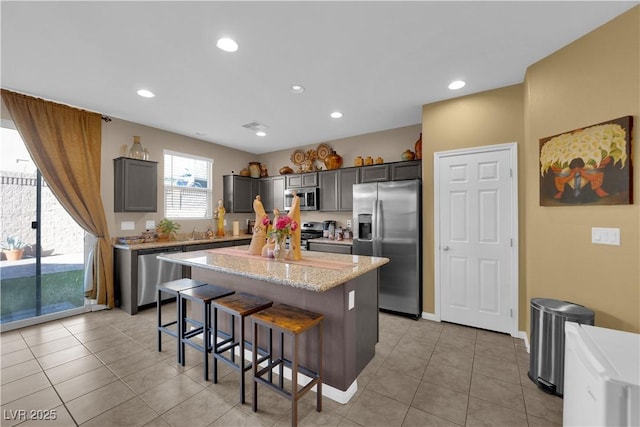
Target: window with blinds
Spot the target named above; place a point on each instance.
(187, 186)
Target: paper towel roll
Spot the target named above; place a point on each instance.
(236, 228)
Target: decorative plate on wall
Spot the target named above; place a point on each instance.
(297, 157)
(323, 151)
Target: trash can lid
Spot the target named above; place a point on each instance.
(563, 308)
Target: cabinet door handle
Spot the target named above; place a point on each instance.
(445, 248)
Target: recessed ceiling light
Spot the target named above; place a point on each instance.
(458, 84)
(227, 44)
(261, 133)
(146, 93)
(297, 88)
(336, 114)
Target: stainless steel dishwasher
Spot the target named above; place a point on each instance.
(152, 271)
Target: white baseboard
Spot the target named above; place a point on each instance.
(523, 335)
(430, 316)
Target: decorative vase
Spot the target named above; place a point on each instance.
(254, 169)
(418, 147)
(264, 172)
(244, 172)
(136, 151)
(408, 155)
(358, 161)
(333, 160)
(280, 249)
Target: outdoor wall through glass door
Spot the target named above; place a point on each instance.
(42, 263)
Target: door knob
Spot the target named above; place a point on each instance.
(445, 248)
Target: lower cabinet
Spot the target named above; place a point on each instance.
(137, 271)
(330, 247)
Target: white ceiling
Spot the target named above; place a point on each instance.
(377, 62)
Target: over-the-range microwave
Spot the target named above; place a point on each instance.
(309, 198)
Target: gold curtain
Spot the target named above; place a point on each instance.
(65, 144)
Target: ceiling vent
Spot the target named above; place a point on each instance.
(256, 126)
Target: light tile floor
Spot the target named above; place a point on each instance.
(102, 369)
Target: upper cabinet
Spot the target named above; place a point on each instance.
(302, 180)
(271, 190)
(135, 185)
(239, 193)
(336, 192)
(406, 170)
(375, 173)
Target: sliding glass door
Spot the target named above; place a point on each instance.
(42, 263)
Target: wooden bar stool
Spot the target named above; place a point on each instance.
(201, 295)
(291, 321)
(173, 287)
(238, 306)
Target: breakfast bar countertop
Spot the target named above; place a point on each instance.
(316, 271)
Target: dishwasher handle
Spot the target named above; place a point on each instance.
(160, 250)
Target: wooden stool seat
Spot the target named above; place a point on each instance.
(238, 306)
(172, 288)
(292, 321)
(202, 295)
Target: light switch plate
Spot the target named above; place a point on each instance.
(127, 225)
(150, 225)
(605, 236)
(352, 299)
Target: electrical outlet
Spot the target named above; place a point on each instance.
(151, 224)
(127, 225)
(605, 236)
(348, 223)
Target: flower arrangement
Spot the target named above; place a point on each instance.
(283, 227)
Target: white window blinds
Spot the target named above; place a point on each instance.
(187, 186)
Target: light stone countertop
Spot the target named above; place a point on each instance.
(313, 278)
(182, 242)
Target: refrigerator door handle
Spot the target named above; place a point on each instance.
(377, 248)
(374, 227)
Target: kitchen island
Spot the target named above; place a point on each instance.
(344, 288)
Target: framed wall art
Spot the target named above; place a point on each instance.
(588, 166)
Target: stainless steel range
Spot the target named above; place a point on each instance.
(309, 230)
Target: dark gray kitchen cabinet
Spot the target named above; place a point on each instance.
(271, 192)
(411, 169)
(135, 185)
(330, 247)
(374, 173)
(239, 192)
(302, 180)
(336, 189)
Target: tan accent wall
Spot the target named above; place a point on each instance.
(592, 80)
(487, 118)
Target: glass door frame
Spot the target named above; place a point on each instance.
(37, 226)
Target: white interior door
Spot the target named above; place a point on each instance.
(475, 237)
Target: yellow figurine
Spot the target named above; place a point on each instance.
(294, 239)
(259, 229)
(220, 211)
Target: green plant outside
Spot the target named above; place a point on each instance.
(19, 294)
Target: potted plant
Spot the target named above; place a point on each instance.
(167, 229)
(13, 248)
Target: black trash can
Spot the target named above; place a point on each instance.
(546, 358)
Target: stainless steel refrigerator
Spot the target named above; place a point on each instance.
(387, 223)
